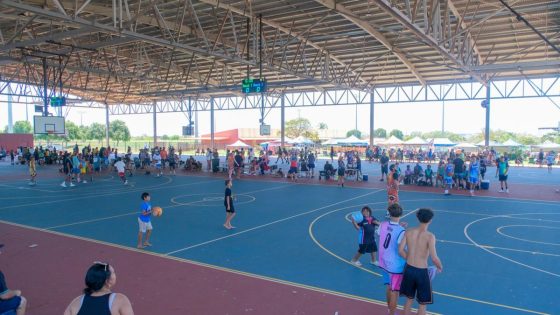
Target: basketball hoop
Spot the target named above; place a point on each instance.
(50, 132)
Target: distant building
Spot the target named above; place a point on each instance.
(250, 136)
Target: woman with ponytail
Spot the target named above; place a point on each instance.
(98, 299)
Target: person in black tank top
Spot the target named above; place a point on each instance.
(98, 298)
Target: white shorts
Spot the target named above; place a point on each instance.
(144, 225)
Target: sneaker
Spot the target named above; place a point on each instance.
(72, 185)
(126, 182)
(507, 190)
(85, 181)
(63, 184)
(375, 263)
(446, 192)
(356, 263)
(501, 190)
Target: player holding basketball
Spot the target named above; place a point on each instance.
(228, 203)
(418, 244)
(391, 234)
(144, 221)
(367, 236)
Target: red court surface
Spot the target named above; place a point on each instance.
(51, 275)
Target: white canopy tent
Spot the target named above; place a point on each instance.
(238, 144)
(549, 145)
(416, 141)
(393, 141)
(442, 142)
(331, 142)
(353, 141)
(511, 143)
(465, 145)
(492, 143)
(301, 140)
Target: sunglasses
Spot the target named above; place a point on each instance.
(105, 265)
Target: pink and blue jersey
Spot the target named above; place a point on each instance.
(390, 235)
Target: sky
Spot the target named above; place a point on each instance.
(463, 117)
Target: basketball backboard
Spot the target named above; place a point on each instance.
(49, 125)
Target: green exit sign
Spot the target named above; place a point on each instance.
(253, 85)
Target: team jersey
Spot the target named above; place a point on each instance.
(390, 235)
(474, 169)
(367, 230)
(503, 168)
(146, 206)
(449, 170)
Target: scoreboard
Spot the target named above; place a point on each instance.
(253, 86)
(58, 101)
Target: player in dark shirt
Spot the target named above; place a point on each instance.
(228, 203)
(367, 236)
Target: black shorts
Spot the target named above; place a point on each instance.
(416, 283)
(384, 170)
(367, 248)
(502, 178)
(231, 209)
(340, 172)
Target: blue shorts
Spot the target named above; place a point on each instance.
(10, 304)
(473, 180)
(76, 170)
(448, 180)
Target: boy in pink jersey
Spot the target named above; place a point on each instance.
(391, 234)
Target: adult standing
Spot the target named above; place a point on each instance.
(98, 298)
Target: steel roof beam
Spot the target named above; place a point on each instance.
(278, 26)
(429, 40)
(348, 14)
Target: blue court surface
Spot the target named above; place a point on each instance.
(500, 255)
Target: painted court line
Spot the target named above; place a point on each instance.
(270, 223)
(98, 195)
(466, 233)
(311, 234)
(214, 267)
(136, 212)
(502, 248)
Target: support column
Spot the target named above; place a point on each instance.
(45, 95)
(282, 120)
(155, 123)
(487, 130)
(107, 124)
(212, 122)
(10, 117)
(371, 119)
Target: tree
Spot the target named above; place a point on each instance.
(323, 126)
(397, 133)
(96, 131)
(354, 132)
(119, 131)
(165, 137)
(298, 127)
(73, 131)
(457, 138)
(380, 133)
(21, 126)
(174, 138)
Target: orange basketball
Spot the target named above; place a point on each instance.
(157, 211)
